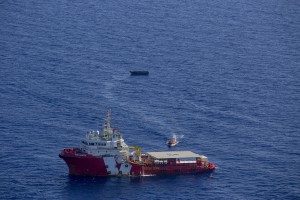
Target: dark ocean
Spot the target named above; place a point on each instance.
(225, 74)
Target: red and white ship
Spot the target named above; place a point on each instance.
(107, 154)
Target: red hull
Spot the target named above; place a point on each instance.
(170, 169)
(88, 165)
(83, 164)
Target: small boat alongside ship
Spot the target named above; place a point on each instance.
(107, 154)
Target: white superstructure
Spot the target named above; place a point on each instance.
(109, 143)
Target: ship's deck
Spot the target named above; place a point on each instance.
(174, 154)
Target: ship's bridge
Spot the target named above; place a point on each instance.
(110, 142)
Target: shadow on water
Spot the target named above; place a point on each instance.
(171, 178)
(82, 180)
(74, 181)
(104, 187)
(78, 181)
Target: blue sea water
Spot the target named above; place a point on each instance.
(225, 74)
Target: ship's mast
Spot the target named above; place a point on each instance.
(108, 119)
(107, 123)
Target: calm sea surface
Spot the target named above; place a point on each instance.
(225, 74)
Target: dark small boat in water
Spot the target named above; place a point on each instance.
(139, 73)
